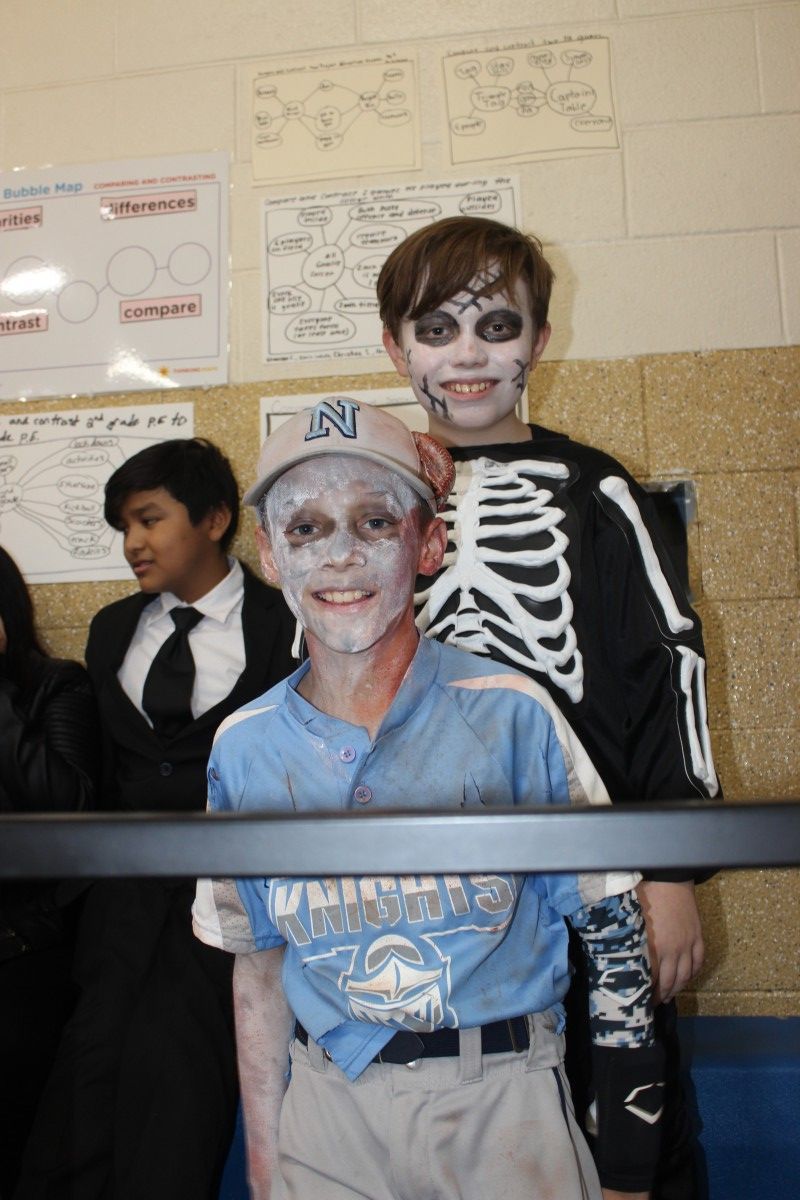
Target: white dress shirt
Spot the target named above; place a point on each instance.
(216, 642)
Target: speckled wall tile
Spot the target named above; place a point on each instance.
(595, 402)
(67, 605)
(739, 1004)
(747, 525)
(751, 922)
(724, 411)
(758, 764)
(67, 642)
(754, 675)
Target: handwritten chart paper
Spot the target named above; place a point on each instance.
(531, 101)
(323, 252)
(114, 277)
(53, 471)
(323, 119)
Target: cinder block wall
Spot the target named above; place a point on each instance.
(676, 315)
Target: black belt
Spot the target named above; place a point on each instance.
(405, 1047)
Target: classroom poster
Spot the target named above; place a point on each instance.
(114, 277)
(53, 470)
(322, 254)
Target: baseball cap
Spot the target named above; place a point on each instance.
(340, 425)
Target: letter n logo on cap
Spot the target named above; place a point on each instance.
(344, 420)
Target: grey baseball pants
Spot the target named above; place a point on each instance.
(475, 1127)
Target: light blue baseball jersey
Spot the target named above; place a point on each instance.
(370, 955)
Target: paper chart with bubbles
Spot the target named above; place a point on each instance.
(322, 254)
(114, 276)
(324, 119)
(532, 101)
(53, 471)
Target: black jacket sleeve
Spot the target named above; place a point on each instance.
(655, 640)
(48, 747)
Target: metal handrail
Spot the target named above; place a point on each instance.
(688, 835)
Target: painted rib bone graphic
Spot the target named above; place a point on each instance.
(506, 504)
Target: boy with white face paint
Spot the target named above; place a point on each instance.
(472, 356)
(424, 1012)
(347, 524)
(555, 565)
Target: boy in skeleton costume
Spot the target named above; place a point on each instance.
(554, 565)
(425, 1010)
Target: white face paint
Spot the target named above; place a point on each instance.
(468, 361)
(346, 543)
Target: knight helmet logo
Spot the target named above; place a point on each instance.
(400, 981)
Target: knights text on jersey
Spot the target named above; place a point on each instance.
(366, 956)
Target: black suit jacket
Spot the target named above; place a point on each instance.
(142, 771)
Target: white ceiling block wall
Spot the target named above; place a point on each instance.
(686, 238)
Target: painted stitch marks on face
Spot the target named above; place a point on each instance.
(435, 403)
(482, 287)
(468, 360)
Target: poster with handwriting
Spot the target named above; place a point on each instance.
(114, 277)
(325, 118)
(53, 471)
(530, 100)
(322, 254)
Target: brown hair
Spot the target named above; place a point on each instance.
(441, 260)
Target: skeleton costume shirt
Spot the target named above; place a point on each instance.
(555, 566)
(368, 956)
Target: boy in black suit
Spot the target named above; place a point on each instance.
(142, 1100)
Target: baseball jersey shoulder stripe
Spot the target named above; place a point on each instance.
(242, 715)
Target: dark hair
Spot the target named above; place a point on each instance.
(193, 471)
(441, 260)
(16, 611)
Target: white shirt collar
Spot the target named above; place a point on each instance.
(218, 604)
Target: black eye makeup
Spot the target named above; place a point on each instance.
(435, 329)
(501, 325)
(440, 328)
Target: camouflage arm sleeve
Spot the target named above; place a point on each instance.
(614, 940)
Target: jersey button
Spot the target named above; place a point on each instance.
(347, 753)
(363, 794)
(165, 768)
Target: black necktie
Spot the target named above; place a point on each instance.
(167, 694)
